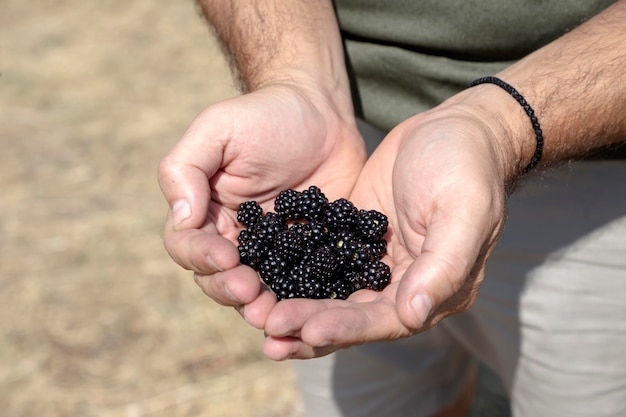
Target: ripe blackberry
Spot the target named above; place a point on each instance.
(287, 204)
(244, 235)
(340, 289)
(249, 212)
(355, 280)
(252, 252)
(376, 275)
(341, 214)
(289, 244)
(339, 237)
(307, 283)
(346, 246)
(324, 260)
(311, 277)
(312, 203)
(283, 287)
(378, 249)
(273, 267)
(267, 227)
(298, 228)
(314, 235)
(354, 253)
(362, 256)
(311, 248)
(371, 224)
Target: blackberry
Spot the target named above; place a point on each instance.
(289, 244)
(362, 256)
(283, 287)
(341, 214)
(287, 204)
(311, 248)
(371, 224)
(345, 245)
(340, 289)
(249, 212)
(312, 203)
(376, 275)
(354, 253)
(338, 238)
(355, 280)
(244, 236)
(273, 267)
(267, 227)
(378, 249)
(314, 235)
(298, 228)
(307, 283)
(252, 252)
(324, 260)
(311, 277)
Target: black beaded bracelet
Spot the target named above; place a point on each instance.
(529, 111)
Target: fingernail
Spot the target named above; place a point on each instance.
(180, 211)
(422, 305)
(228, 293)
(212, 265)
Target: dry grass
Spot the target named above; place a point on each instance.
(96, 319)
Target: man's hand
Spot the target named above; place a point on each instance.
(442, 177)
(439, 179)
(250, 148)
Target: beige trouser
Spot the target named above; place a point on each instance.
(550, 318)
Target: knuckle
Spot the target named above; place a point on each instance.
(166, 170)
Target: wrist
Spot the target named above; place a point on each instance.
(316, 117)
(284, 43)
(319, 73)
(530, 112)
(514, 135)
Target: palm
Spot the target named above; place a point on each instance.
(373, 192)
(429, 182)
(445, 213)
(250, 148)
(276, 141)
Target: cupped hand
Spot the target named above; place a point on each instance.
(438, 178)
(250, 148)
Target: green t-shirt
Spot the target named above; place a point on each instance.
(407, 56)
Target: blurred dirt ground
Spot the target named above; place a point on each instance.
(96, 320)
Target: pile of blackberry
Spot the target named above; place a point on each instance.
(312, 248)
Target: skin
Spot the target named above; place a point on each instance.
(298, 130)
(442, 227)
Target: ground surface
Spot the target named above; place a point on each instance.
(95, 319)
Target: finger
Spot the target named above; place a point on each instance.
(370, 317)
(288, 317)
(283, 348)
(184, 173)
(256, 312)
(449, 253)
(201, 250)
(235, 287)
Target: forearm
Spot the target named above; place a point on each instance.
(577, 88)
(281, 41)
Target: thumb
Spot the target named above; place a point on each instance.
(184, 174)
(437, 284)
